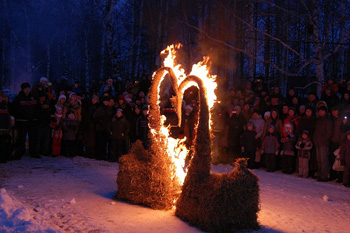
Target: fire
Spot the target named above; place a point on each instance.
(176, 147)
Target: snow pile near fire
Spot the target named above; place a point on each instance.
(14, 216)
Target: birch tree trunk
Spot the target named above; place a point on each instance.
(251, 41)
(110, 37)
(86, 60)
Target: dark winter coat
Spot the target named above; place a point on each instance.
(270, 144)
(248, 140)
(4, 117)
(70, 129)
(344, 151)
(103, 118)
(142, 128)
(288, 144)
(323, 131)
(45, 112)
(306, 123)
(338, 136)
(234, 125)
(304, 147)
(25, 108)
(120, 128)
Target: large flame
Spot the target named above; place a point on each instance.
(176, 147)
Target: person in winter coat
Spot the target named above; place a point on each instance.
(235, 122)
(102, 118)
(142, 128)
(56, 133)
(336, 139)
(5, 145)
(25, 111)
(120, 136)
(259, 123)
(345, 159)
(43, 125)
(248, 144)
(275, 121)
(304, 146)
(287, 151)
(70, 129)
(270, 148)
(322, 139)
(88, 130)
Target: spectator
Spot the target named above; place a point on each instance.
(5, 124)
(270, 148)
(142, 128)
(330, 97)
(102, 118)
(275, 121)
(70, 129)
(88, 129)
(74, 105)
(108, 88)
(234, 128)
(43, 125)
(57, 133)
(25, 108)
(120, 136)
(345, 159)
(322, 138)
(304, 146)
(287, 151)
(248, 144)
(76, 88)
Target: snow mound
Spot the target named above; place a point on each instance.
(15, 217)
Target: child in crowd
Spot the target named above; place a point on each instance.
(304, 146)
(270, 149)
(287, 152)
(56, 126)
(248, 143)
(70, 129)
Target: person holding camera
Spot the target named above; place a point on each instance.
(304, 146)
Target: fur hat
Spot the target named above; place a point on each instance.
(25, 85)
(267, 113)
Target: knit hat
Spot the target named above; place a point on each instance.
(306, 132)
(272, 127)
(189, 107)
(61, 97)
(119, 109)
(267, 113)
(121, 97)
(71, 94)
(25, 85)
(43, 79)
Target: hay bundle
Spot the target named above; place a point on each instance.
(221, 202)
(216, 202)
(144, 179)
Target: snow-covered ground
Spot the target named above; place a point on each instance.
(76, 195)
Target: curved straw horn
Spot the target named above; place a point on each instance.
(154, 95)
(201, 162)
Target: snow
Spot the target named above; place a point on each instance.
(76, 195)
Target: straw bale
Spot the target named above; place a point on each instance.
(145, 179)
(221, 202)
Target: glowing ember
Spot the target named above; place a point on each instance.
(176, 147)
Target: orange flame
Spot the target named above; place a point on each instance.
(176, 147)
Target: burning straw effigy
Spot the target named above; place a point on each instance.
(146, 177)
(216, 202)
(212, 202)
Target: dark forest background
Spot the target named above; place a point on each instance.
(284, 42)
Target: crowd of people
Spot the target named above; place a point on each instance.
(295, 133)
